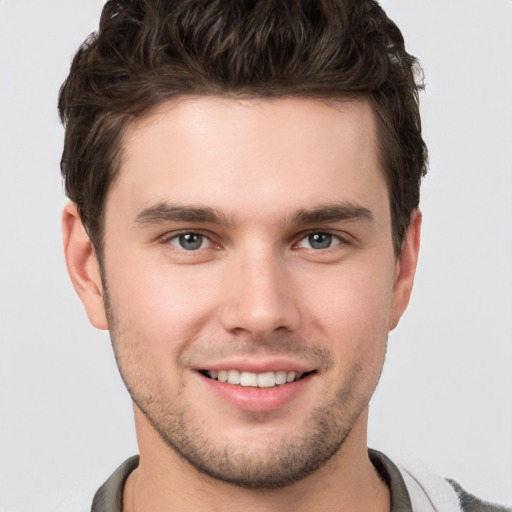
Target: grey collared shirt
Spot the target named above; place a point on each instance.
(109, 497)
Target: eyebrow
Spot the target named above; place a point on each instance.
(336, 212)
(165, 212)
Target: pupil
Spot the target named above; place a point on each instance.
(320, 240)
(191, 241)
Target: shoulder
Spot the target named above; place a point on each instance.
(415, 488)
(470, 503)
(109, 497)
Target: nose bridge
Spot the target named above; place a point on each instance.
(258, 298)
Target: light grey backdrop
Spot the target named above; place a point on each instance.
(446, 393)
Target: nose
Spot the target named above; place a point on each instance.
(259, 298)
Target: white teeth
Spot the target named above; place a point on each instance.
(280, 377)
(250, 379)
(266, 380)
(234, 377)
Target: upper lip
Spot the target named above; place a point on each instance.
(254, 365)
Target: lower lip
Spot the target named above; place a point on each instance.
(254, 399)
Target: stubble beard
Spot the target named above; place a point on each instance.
(283, 463)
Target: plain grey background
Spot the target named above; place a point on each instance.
(446, 393)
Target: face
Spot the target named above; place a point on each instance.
(251, 280)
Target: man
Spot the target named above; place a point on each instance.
(244, 180)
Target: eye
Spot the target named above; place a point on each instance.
(319, 240)
(190, 241)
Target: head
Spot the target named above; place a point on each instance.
(147, 52)
(247, 177)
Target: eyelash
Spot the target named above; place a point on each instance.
(302, 237)
(175, 236)
(332, 236)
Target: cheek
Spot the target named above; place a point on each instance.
(353, 299)
(163, 305)
(352, 312)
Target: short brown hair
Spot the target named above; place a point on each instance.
(148, 51)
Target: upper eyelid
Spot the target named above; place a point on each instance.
(170, 237)
(342, 236)
(339, 240)
(173, 234)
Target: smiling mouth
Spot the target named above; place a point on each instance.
(255, 380)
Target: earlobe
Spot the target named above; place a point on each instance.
(83, 266)
(406, 269)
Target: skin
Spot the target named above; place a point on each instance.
(258, 292)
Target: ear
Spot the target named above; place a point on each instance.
(83, 266)
(406, 269)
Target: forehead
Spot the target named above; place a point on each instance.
(238, 155)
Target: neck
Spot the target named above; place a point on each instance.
(166, 482)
